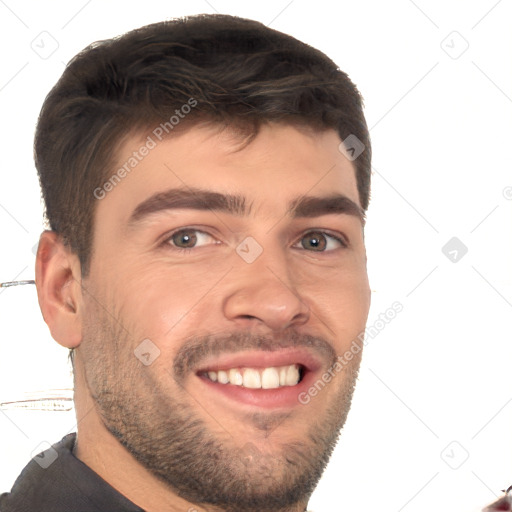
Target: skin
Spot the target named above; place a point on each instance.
(140, 286)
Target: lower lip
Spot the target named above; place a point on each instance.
(283, 397)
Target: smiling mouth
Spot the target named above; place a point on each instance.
(263, 379)
(258, 378)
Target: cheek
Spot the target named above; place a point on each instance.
(341, 299)
(343, 307)
(167, 298)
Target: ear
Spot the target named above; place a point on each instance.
(58, 278)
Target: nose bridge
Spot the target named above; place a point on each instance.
(264, 291)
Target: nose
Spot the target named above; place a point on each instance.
(262, 295)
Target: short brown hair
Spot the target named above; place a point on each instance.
(237, 70)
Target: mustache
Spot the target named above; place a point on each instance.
(198, 349)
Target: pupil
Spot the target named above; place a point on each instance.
(184, 239)
(315, 241)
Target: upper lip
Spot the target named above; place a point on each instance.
(263, 359)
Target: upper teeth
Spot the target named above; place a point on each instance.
(257, 378)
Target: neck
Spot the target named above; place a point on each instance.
(97, 448)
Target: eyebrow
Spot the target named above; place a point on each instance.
(311, 206)
(199, 199)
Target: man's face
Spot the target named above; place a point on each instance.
(224, 283)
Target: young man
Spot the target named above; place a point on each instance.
(206, 182)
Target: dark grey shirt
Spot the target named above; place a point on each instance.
(56, 481)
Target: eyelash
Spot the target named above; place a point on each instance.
(185, 250)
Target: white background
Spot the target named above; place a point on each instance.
(438, 375)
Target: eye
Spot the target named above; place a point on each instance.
(190, 238)
(320, 241)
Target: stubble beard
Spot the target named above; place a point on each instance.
(161, 425)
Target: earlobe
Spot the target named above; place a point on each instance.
(58, 289)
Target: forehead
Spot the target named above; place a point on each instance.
(280, 164)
